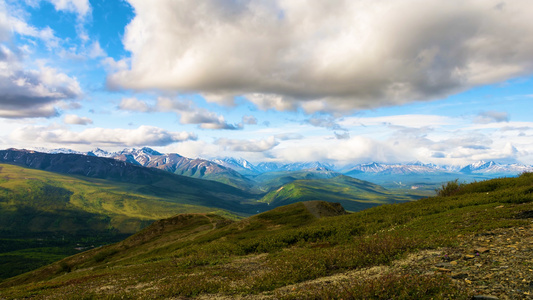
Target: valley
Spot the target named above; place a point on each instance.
(55, 205)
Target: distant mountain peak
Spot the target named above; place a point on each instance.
(137, 151)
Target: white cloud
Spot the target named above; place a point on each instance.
(12, 22)
(491, 117)
(325, 121)
(318, 55)
(190, 114)
(80, 7)
(95, 50)
(134, 104)
(248, 145)
(77, 120)
(249, 120)
(142, 136)
(29, 92)
(113, 66)
(401, 120)
(32, 93)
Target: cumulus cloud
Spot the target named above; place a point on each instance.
(324, 121)
(24, 92)
(142, 136)
(248, 145)
(492, 117)
(342, 136)
(77, 120)
(32, 93)
(12, 22)
(249, 120)
(357, 149)
(190, 114)
(289, 136)
(334, 55)
(134, 104)
(79, 7)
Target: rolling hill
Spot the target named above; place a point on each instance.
(46, 216)
(353, 194)
(148, 181)
(53, 204)
(428, 248)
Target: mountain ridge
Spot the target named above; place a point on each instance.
(244, 167)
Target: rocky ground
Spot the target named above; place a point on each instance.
(496, 264)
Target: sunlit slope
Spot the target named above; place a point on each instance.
(353, 194)
(33, 201)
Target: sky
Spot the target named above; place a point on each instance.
(337, 81)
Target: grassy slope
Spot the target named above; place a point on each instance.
(353, 194)
(45, 215)
(273, 180)
(205, 254)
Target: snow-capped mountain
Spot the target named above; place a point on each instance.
(391, 169)
(238, 168)
(56, 151)
(141, 156)
(316, 166)
(491, 167)
(265, 167)
(100, 153)
(238, 164)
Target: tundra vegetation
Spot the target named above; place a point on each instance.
(191, 255)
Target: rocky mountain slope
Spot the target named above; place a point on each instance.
(177, 164)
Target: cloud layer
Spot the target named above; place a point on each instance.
(326, 55)
(29, 92)
(142, 136)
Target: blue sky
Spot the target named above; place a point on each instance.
(344, 82)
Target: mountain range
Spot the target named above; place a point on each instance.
(259, 177)
(148, 157)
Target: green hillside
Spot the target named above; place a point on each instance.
(272, 180)
(291, 253)
(353, 194)
(45, 216)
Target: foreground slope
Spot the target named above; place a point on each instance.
(420, 249)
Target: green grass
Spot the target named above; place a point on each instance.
(199, 254)
(353, 194)
(40, 210)
(36, 204)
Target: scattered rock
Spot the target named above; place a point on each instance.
(443, 270)
(484, 297)
(481, 250)
(443, 265)
(460, 276)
